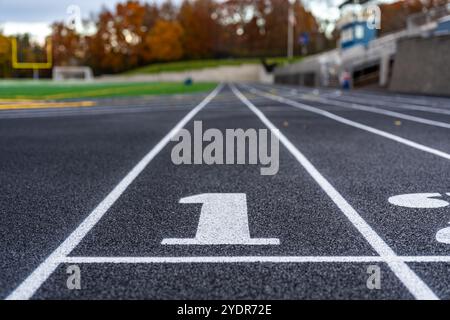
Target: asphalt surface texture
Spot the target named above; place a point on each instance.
(97, 188)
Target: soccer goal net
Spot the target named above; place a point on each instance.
(72, 73)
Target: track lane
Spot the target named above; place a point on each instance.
(289, 206)
(424, 137)
(54, 170)
(355, 100)
(368, 169)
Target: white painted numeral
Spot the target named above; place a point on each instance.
(424, 201)
(418, 200)
(443, 235)
(223, 220)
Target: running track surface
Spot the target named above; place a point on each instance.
(96, 187)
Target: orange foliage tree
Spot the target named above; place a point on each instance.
(394, 15)
(201, 30)
(137, 33)
(164, 41)
(68, 46)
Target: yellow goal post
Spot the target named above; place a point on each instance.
(32, 65)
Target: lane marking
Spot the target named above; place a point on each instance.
(416, 100)
(418, 200)
(443, 235)
(377, 110)
(352, 123)
(32, 283)
(423, 109)
(254, 259)
(412, 282)
(424, 201)
(358, 97)
(348, 98)
(46, 105)
(223, 220)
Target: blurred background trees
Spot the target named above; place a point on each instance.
(136, 33)
(394, 15)
(5, 57)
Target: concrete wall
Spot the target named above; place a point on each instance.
(241, 73)
(422, 65)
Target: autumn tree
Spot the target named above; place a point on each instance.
(164, 41)
(305, 22)
(168, 11)
(117, 44)
(261, 26)
(5, 57)
(102, 54)
(135, 33)
(394, 16)
(199, 21)
(233, 17)
(68, 46)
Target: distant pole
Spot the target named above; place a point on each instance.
(290, 33)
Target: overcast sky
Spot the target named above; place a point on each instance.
(34, 16)
(45, 10)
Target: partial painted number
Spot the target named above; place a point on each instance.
(424, 201)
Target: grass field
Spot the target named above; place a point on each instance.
(49, 90)
(202, 64)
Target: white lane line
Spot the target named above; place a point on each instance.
(349, 122)
(417, 100)
(385, 112)
(410, 100)
(222, 259)
(357, 101)
(255, 259)
(411, 281)
(29, 286)
(424, 109)
(346, 98)
(359, 98)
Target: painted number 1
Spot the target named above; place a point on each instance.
(223, 220)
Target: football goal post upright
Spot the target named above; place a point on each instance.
(35, 66)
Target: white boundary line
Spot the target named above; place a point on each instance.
(358, 102)
(349, 122)
(32, 283)
(396, 105)
(345, 98)
(254, 259)
(412, 282)
(416, 100)
(377, 110)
